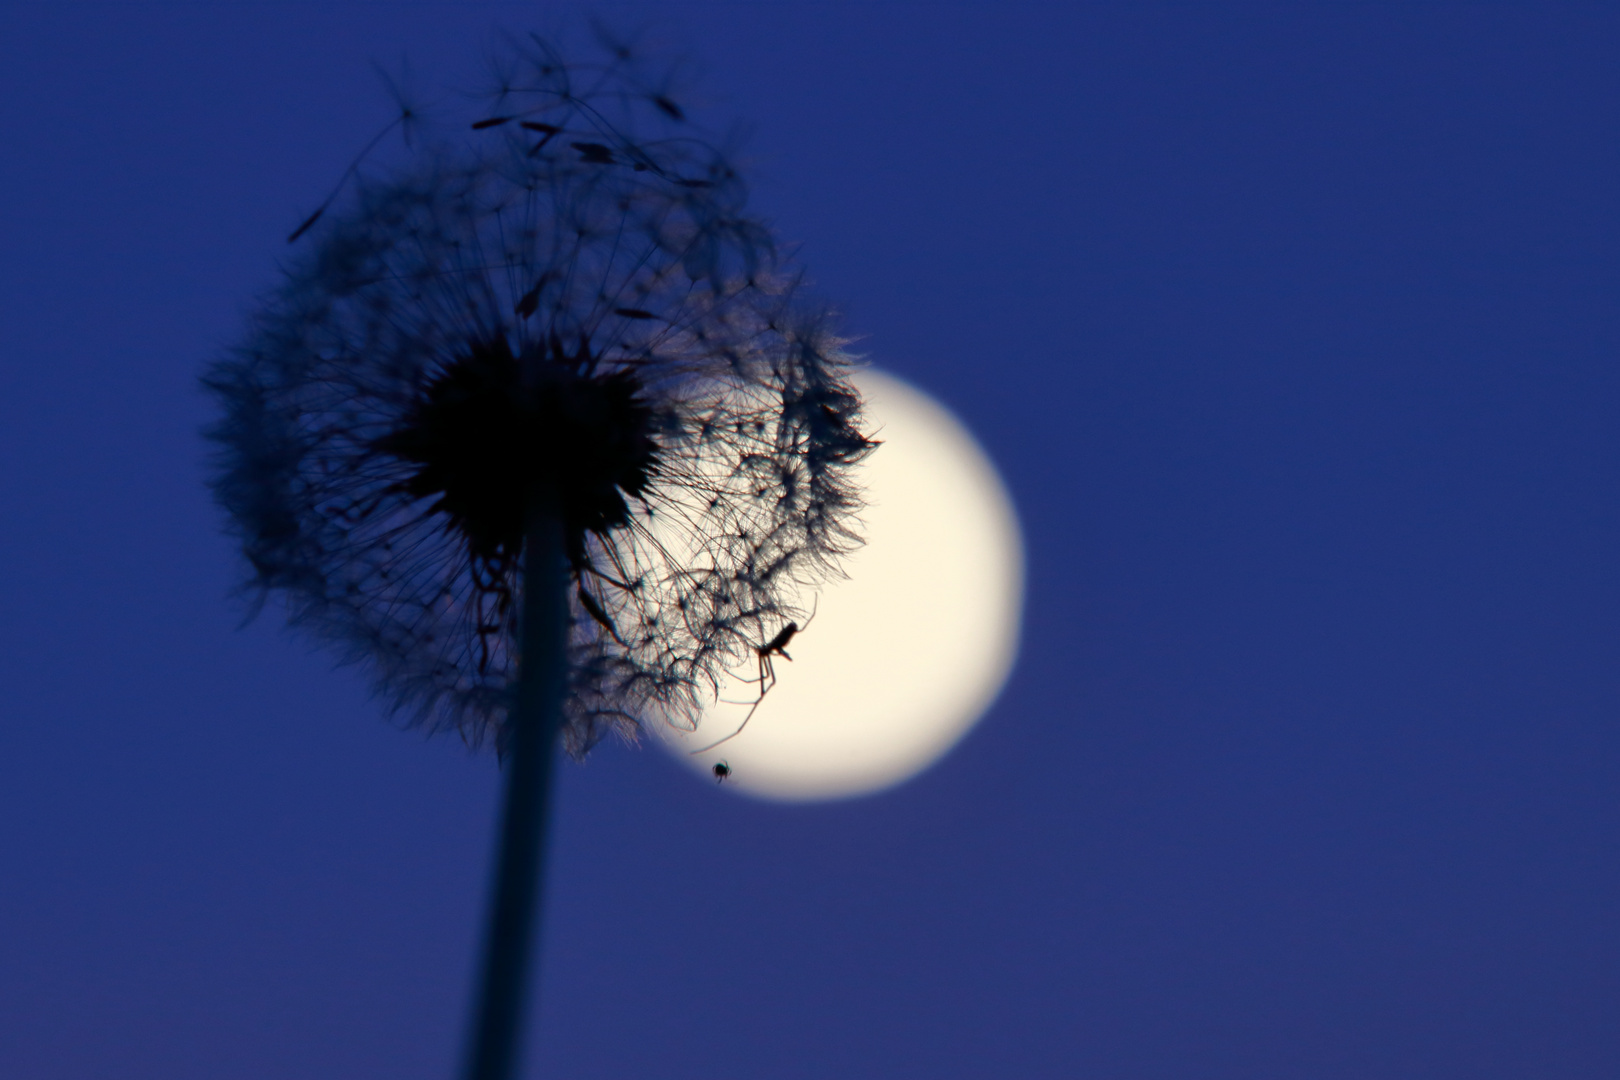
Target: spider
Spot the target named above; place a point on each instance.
(721, 771)
(777, 646)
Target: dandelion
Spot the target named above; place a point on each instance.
(540, 430)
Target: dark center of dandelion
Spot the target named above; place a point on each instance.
(494, 431)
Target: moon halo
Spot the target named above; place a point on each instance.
(908, 650)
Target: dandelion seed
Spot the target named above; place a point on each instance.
(595, 153)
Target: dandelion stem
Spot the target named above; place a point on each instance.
(535, 723)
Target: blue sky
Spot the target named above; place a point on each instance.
(1293, 332)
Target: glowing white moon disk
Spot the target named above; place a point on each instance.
(907, 652)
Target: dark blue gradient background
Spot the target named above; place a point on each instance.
(1294, 332)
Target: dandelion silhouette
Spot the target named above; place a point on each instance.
(540, 430)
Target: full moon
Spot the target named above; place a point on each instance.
(905, 653)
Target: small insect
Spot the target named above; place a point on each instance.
(721, 771)
(777, 646)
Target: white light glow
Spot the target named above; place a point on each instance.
(906, 654)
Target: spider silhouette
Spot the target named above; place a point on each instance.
(777, 646)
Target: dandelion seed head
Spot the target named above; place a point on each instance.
(569, 296)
